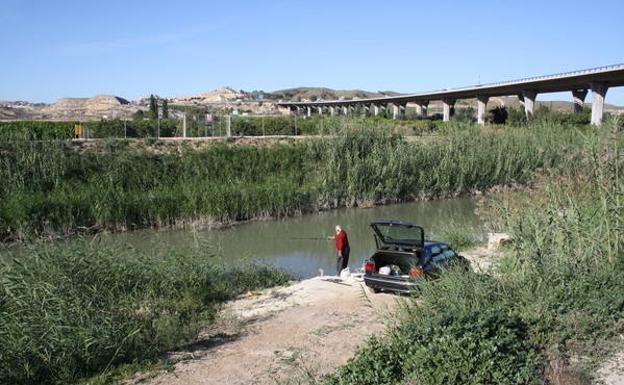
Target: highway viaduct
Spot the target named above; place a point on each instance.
(579, 83)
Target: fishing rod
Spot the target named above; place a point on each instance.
(309, 238)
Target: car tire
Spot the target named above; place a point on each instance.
(374, 290)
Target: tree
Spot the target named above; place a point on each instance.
(165, 109)
(139, 115)
(498, 115)
(153, 107)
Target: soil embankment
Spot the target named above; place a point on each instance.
(281, 334)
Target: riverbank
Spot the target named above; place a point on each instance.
(52, 191)
(289, 335)
(282, 335)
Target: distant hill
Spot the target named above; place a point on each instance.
(254, 102)
(219, 95)
(316, 93)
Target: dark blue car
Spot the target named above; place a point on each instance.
(404, 258)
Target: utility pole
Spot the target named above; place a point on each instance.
(184, 125)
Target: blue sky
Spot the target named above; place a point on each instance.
(52, 49)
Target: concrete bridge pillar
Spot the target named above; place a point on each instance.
(320, 110)
(579, 99)
(345, 110)
(309, 112)
(395, 111)
(375, 109)
(481, 104)
(421, 109)
(599, 91)
(448, 109)
(529, 102)
(521, 100)
(402, 110)
(332, 110)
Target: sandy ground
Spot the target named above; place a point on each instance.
(283, 335)
(612, 371)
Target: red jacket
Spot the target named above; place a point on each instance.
(341, 240)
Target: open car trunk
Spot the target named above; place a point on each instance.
(400, 263)
(397, 266)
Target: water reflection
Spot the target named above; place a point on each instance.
(299, 244)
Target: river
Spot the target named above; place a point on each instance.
(299, 244)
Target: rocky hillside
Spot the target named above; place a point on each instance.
(315, 93)
(219, 95)
(97, 107)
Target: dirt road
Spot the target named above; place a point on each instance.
(282, 335)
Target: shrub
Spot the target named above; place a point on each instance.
(36, 130)
(69, 311)
(443, 341)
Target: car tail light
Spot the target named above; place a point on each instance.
(416, 272)
(369, 267)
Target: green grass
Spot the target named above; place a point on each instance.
(556, 300)
(73, 310)
(52, 189)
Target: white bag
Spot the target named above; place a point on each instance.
(345, 273)
(384, 270)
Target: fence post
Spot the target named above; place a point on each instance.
(228, 125)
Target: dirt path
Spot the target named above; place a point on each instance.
(283, 335)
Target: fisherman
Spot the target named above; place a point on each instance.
(342, 247)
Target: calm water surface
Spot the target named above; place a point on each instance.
(299, 244)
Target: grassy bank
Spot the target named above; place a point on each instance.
(51, 189)
(550, 308)
(69, 311)
(197, 126)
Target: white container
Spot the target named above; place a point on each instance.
(385, 270)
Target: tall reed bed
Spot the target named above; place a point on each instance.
(69, 311)
(52, 188)
(556, 298)
(49, 188)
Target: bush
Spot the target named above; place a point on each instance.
(465, 115)
(71, 311)
(499, 114)
(548, 116)
(479, 341)
(36, 130)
